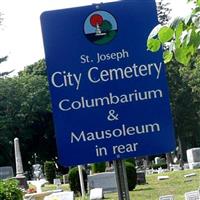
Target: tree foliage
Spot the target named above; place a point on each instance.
(25, 112)
(50, 171)
(4, 74)
(182, 37)
(184, 108)
(163, 11)
(9, 190)
(180, 40)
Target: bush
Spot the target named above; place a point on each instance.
(131, 175)
(131, 160)
(74, 181)
(162, 165)
(98, 167)
(50, 171)
(9, 190)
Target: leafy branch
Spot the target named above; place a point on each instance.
(181, 38)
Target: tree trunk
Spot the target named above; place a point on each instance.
(169, 159)
(146, 162)
(180, 153)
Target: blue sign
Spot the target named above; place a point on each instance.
(109, 94)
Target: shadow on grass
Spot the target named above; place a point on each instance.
(143, 189)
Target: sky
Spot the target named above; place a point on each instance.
(20, 32)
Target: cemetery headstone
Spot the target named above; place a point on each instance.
(193, 195)
(175, 167)
(157, 160)
(160, 170)
(37, 171)
(19, 166)
(167, 197)
(141, 179)
(96, 194)
(57, 182)
(105, 180)
(163, 177)
(186, 166)
(193, 157)
(6, 172)
(65, 179)
(190, 175)
(18, 159)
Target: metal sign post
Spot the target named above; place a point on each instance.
(121, 179)
(81, 180)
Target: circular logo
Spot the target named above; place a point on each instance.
(100, 27)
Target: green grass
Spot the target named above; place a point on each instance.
(175, 185)
(48, 187)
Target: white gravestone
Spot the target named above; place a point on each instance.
(158, 160)
(57, 182)
(193, 195)
(60, 196)
(166, 197)
(96, 194)
(186, 166)
(190, 175)
(19, 166)
(193, 157)
(18, 159)
(105, 180)
(162, 177)
(175, 167)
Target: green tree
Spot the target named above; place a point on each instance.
(25, 112)
(50, 171)
(9, 119)
(182, 39)
(184, 108)
(163, 11)
(36, 111)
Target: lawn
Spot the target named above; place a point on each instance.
(177, 185)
